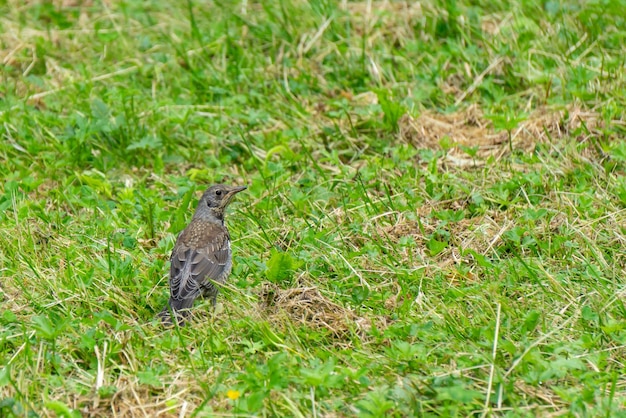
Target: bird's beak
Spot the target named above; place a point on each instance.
(237, 189)
(232, 192)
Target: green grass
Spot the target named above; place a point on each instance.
(435, 223)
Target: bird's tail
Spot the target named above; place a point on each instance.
(176, 311)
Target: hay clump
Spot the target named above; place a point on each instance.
(307, 306)
(471, 128)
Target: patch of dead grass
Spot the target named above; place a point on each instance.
(392, 20)
(471, 128)
(479, 234)
(307, 306)
(133, 399)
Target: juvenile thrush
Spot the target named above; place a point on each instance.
(201, 259)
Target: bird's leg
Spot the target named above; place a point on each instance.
(210, 291)
(214, 299)
(176, 310)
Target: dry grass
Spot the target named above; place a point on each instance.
(470, 128)
(130, 401)
(306, 306)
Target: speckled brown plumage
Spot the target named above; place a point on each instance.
(201, 258)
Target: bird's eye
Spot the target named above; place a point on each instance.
(218, 192)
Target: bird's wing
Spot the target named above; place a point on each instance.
(201, 254)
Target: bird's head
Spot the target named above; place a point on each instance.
(215, 199)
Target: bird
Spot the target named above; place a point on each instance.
(202, 258)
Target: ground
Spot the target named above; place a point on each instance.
(435, 223)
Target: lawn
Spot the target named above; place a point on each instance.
(435, 220)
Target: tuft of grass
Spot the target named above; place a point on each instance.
(434, 224)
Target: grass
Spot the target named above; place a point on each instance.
(435, 223)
